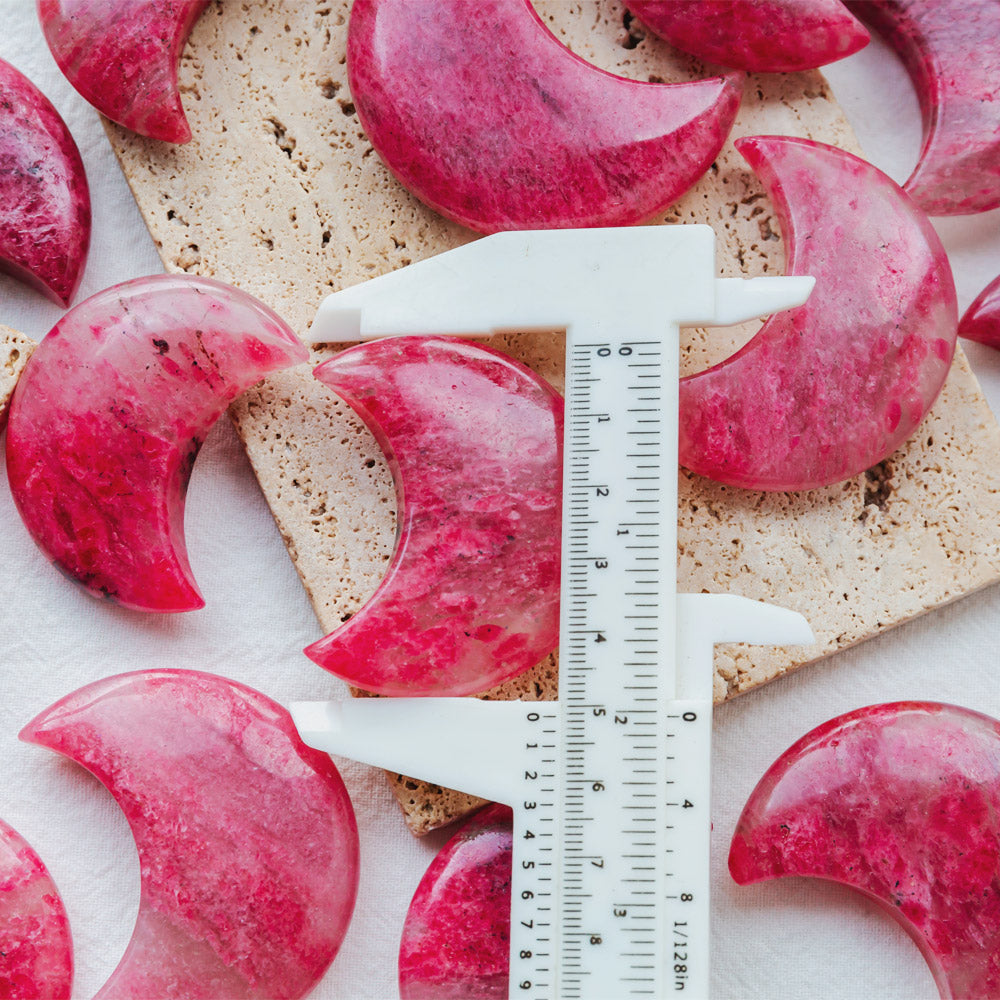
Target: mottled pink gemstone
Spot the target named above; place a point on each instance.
(44, 198)
(763, 36)
(827, 390)
(122, 55)
(953, 56)
(248, 847)
(36, 953)
(902, 802)
(981, 321)
(488, 119)
(456, 939)
(474, 440)
(108, 417)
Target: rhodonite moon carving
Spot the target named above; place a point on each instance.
(122, 55)
(248, 847)
(107, 420)
(762, 36)
(901, 802)
(474, 442)
(44, 197)
(492, 122)
(827, 390)
(954, 63)
(456, 939)
(36, 952)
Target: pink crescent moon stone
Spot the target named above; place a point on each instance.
(456, 939)
(122, 56)
(107, 420)
(981, 321)
(954, 62)
(36, 952)
(248, 847)
(487, 118)
(901, 802)
(44, 197)
(762, 36)
(474, 441)
(827, 390)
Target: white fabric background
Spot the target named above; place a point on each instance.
(797, 939)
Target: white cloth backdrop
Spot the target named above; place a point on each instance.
(796, 939)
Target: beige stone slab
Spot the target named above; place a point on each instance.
(15, 349)
(280, 193)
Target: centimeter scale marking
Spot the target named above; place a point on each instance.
(618, 813)
(609, 785)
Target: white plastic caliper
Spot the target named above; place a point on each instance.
(609, 784)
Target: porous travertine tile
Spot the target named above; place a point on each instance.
(280, 193)
(15, 349)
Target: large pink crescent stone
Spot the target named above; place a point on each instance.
(122, 56)
(901, 802)
(456, 939)
(107, 420)
(44, 198)
(474, 441)
(952, 53)
(829, 389)
(762, 36)
(248, 847)
(486, 117)
(36, 952)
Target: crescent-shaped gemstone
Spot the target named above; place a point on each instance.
(981, 321)
(456, 939)
(36, 952)
(474, 441)
(954, 62)
(248, 847)
(108, 417)
(122, 56)
(762, 36)
(488, 119)
(902, 802)
(827, 390)
(44, 198)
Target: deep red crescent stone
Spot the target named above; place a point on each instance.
(36, 952)
(107, 420)
(44, 198)
(829, 389)
(486, 117)
(474, 441)
(902, 802)
(981, 321)
(952, 53)
(456, 939)
(762, 36)
(122, 56)
(247, 841)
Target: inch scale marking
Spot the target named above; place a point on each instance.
(609, 785)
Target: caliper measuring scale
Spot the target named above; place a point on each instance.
(609, 784)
